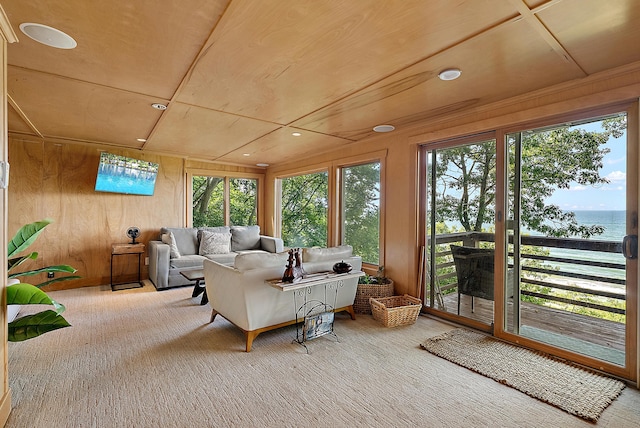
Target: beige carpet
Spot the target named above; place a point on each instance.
(577, 391)
(141, 358)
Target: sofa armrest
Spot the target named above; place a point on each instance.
(159, 255)
(271, 244)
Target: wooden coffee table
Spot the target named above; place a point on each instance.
(198, 277)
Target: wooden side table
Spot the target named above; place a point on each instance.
(126, 250)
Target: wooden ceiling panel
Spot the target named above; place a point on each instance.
(598, 34)
(238, 74)
(279, 60)
(142, 46)
(511, 59)
(281, 146)
(69, 109)
(197, 132)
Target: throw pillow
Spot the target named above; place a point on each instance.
(214, 242)
(245, 238)
(320, 254)
(170, 240)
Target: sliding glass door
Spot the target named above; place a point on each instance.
(568, 214)
(460, 184)
(532, 236)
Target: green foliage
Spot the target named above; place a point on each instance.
(208, 201)
(33, 325)
(361, 210)
(304, 210)
(555, 159)
(243, 201)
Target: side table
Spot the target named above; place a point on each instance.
(126, 250)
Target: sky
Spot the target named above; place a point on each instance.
(610, 196)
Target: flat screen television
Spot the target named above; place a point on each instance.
(120, 174)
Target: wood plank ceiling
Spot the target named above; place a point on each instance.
(240, 76)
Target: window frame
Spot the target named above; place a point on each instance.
(226, 176)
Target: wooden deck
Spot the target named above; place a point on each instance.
(575, 328)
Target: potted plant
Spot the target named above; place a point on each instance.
(375, 286)
(20, 293)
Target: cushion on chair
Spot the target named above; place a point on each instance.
(248, 261)
(245, 238)
(320, 254)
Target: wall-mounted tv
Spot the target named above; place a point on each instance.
(120, 174)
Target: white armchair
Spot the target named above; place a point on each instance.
(241, 294)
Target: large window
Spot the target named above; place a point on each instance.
(219, 201)
(304, 206)
(361, 210)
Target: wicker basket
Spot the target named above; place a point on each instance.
(364, 292)
(396, 310)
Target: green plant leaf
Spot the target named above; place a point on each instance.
(17, 261)
(57, 268)
(27, 294)
(31, 326)
(25, 236)
(51, 281)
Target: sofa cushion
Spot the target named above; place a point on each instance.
(186, 239)
(320, 254)
(170, 240)
(223, 259)
(258, 260)
(214, 242)
(245, 238)
(187, 261)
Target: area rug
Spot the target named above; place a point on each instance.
(573, 389)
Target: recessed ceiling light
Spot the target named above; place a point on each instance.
(48, 35)
(449, 74)
(384, 128)
(246, 154)
(262, 165)
(142, 140)
(159, 106)
(296, 134)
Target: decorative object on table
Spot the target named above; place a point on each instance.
(133, 232)
(342, 267)
(298, 270)
(30, 326)
(288, 275)
(369, 286)
(396, 310)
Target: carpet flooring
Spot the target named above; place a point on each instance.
(577, 391)
(142, 358)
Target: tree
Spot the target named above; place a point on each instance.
(304, 209)
(208, 194)
(361, 216)
(554, 159)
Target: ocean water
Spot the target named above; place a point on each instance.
(614, 226)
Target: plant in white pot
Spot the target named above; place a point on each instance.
(20, 293)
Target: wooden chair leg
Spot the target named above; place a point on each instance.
(213, 315)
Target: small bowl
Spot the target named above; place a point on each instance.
(342, 267)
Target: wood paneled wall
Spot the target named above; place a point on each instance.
(57, 181)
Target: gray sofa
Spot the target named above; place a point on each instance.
(185, 248)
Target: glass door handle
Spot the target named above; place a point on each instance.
(630, 247)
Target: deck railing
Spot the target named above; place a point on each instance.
(544, 274)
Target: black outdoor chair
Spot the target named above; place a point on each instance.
(474, 269)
